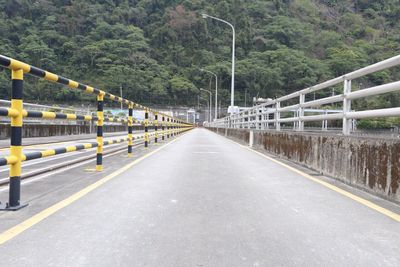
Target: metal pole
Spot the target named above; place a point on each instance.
(99, 139)
(163, 127)
(233, 58)
(233, 69)
(146, 128)
(216, 92)
(245, 98)
(130, 123)
(156, 127)
(346, 107)
(216, 97)
(120, 90)
(17, 77)
(168, 125)
(210, 109)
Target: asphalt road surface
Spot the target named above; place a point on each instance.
(205, 201)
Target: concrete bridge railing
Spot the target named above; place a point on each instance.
(295, 109)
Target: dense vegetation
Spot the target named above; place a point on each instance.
(155, 48)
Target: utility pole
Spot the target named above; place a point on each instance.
(245, 98)
(120, 91)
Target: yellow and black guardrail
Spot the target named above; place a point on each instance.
(16, 113)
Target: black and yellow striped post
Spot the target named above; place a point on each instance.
(168, 127)
(146, 128)
(130, 123)
(173, 127)
(99, 139)
(163, 127)
(17, 77)
(156, 127)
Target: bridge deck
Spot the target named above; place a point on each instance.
(205, 201)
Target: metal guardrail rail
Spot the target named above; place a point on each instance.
(170, 126)
(273, 113)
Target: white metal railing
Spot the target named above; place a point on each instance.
(273, 113)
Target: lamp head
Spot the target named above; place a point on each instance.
(201, 69)
(204, 15)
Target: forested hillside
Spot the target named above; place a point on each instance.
(154, 48)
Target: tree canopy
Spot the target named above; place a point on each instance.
(155, 49)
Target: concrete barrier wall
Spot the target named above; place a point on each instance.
(371, 164)
(39, 130)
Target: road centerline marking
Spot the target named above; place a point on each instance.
(35, 219)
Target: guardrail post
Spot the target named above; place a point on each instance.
(99, 139)
(167, 127)
(262, 116)
(156, 127)
(277, 116)
(346, 107)
(163, 128)
(325, 122)
(301, 112)
(130, 123)
(173, 128)
(146, 128)
(17, 77)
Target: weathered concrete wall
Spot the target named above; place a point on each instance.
(369, 163)
(39, 130)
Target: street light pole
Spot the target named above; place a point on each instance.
(120, 90)
(231, 109)
(209, 106)
(216, 91)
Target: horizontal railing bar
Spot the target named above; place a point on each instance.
(333, 116)
(287, 97)
(386, 112)
(61, 150)
(48, 76)
(289, 108)
(382, 65)
(323, 85)
(8, 112)
(323, 101)
(48, 107)
(55, 115)
(288, 119)
(377, 90)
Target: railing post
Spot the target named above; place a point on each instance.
(99, 139)
(163, 127)
(146, 128)
(346, 107)
(17, 77)
(325, 122)
(130, 123)
(167, 127)
(262, 116)
(301, 112)
(156, 127)
(277, 116)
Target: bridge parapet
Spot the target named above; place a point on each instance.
(295, 110)
(369, 163)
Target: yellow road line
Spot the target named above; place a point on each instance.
(25, 225)
(358, 199)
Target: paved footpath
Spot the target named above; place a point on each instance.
(205, 201)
